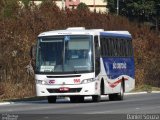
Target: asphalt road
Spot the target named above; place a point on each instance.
(63, 109)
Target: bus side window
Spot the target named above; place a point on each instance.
(111, 47)
(122, 47)
(107, 51)
(118, 47)
(130, 48)
(115, 47)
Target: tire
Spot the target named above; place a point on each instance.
(102, 87)
(77, 99)
(117, 96)
(81, 99)
(120, 95)
(112, 97)
(52, 99)
(96, 98)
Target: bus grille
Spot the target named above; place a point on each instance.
(71, 90)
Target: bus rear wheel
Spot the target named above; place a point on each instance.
(51, 99)
(117, 96)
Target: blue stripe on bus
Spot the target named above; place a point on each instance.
(116, 67)
(115, 35)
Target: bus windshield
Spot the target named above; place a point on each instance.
(62, 54)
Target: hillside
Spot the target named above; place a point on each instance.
(20, 27)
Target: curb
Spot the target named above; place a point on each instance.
(137, 93)
(6, 103)
(133, 93)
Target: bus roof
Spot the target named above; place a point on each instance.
(83, 31)
(72, 31)
(123, 34)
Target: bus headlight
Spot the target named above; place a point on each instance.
(41, 82)
(87, 81)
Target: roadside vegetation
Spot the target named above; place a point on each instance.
(19, 27)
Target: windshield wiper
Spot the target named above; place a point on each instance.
(76, 71)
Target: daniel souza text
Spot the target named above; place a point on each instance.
(143, 116)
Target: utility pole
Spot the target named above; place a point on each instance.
(117, 7)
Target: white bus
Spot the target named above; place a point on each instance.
(79, 62)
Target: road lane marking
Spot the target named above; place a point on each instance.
(100, 112)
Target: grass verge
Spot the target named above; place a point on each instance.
(146, 88)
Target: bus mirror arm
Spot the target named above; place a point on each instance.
(33, 52)
(33, 56)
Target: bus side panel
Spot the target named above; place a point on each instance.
(118, 70)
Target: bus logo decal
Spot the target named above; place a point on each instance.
(119, 65)
(76, 80)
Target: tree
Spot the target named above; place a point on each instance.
(111, 4)
(26, 3)
(144, 10)
(82, 6)
(2, 4)
(9, 7)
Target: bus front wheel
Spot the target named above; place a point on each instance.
(77, 99)
(51, 99)
(96, 98)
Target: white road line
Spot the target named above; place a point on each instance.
(100, 112)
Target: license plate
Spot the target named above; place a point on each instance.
(63, 89)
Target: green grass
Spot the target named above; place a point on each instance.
(146, 88)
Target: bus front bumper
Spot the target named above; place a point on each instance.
(68, 90)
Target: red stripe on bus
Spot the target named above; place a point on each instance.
(112, 85)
